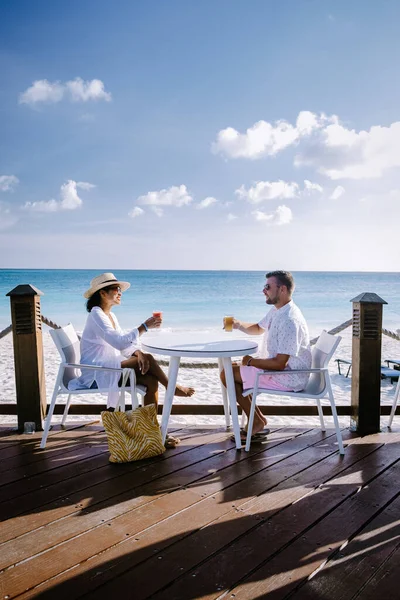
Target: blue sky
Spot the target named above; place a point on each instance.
(200, 135)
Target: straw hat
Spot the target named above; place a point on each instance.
(104, 280)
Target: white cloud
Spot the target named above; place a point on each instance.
(136, 212)
(174, 196)
(76, 90)
(82, 91)
(268, 190)
(42, 91)
(231, 217)
(266, 139)
(262, 216)
(69, 198)
(324, 143)
(8, 183)
(281, 216)
(312, 187)
(43, 206)
(209, 201)
(84, 185)
(337, 192)
(342, 153)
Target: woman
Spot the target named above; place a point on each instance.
(104, 343)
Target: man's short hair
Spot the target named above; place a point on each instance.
(283, 278)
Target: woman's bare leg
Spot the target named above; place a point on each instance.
(245, 401)
(156, 372)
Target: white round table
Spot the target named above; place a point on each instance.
(222, 346)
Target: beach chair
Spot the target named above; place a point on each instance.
(386, 372)
(318, 386)
(68, 345)
(394, 362)
(395, 401)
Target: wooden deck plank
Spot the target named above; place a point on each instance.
(101, 472)
(97, 538)
(99, 516)
(102, 535)
(385, 583)
(198, 515)
(272, 536)
(20, 460)
(76, 460)
(203, 520)
(26, 448)
(105, 484)
(209, 537)
(356, 566)
(314, 544)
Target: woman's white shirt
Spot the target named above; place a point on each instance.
(104, 346)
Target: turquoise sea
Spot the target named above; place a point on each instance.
(199, 299)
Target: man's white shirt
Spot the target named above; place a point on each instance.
(286, 332)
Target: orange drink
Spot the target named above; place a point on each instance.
(228, 323)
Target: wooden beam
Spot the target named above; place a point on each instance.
(295, 410)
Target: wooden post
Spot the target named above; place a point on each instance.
(366, 363)
(28, 355)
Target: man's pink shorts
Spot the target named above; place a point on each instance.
(248, 375)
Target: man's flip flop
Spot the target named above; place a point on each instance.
(256, 437)
(262, 433)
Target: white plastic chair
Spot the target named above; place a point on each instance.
(68, 345)
(318, 386)
(395, 401)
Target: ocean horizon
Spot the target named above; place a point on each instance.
(198, 299)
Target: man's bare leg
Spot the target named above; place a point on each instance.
(245, 401)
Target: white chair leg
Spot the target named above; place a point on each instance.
(66, 409)
(321, 415)
(251, 419)
(335, 419)
(224, 396)
(47, 422)
(134, 395)
(395, 401)
(121, 400)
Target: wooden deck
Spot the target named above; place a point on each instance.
(291, 518)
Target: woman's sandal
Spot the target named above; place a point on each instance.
(171, 442)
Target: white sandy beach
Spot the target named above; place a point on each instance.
(205, 381)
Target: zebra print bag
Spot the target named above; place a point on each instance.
(133, 435)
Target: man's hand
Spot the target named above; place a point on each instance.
(246, 359)
(143, 362)
(235, 323)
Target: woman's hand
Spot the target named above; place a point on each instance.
(235, 323)
(153, 322)
(143, 362)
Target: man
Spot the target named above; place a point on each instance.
(285, 346)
